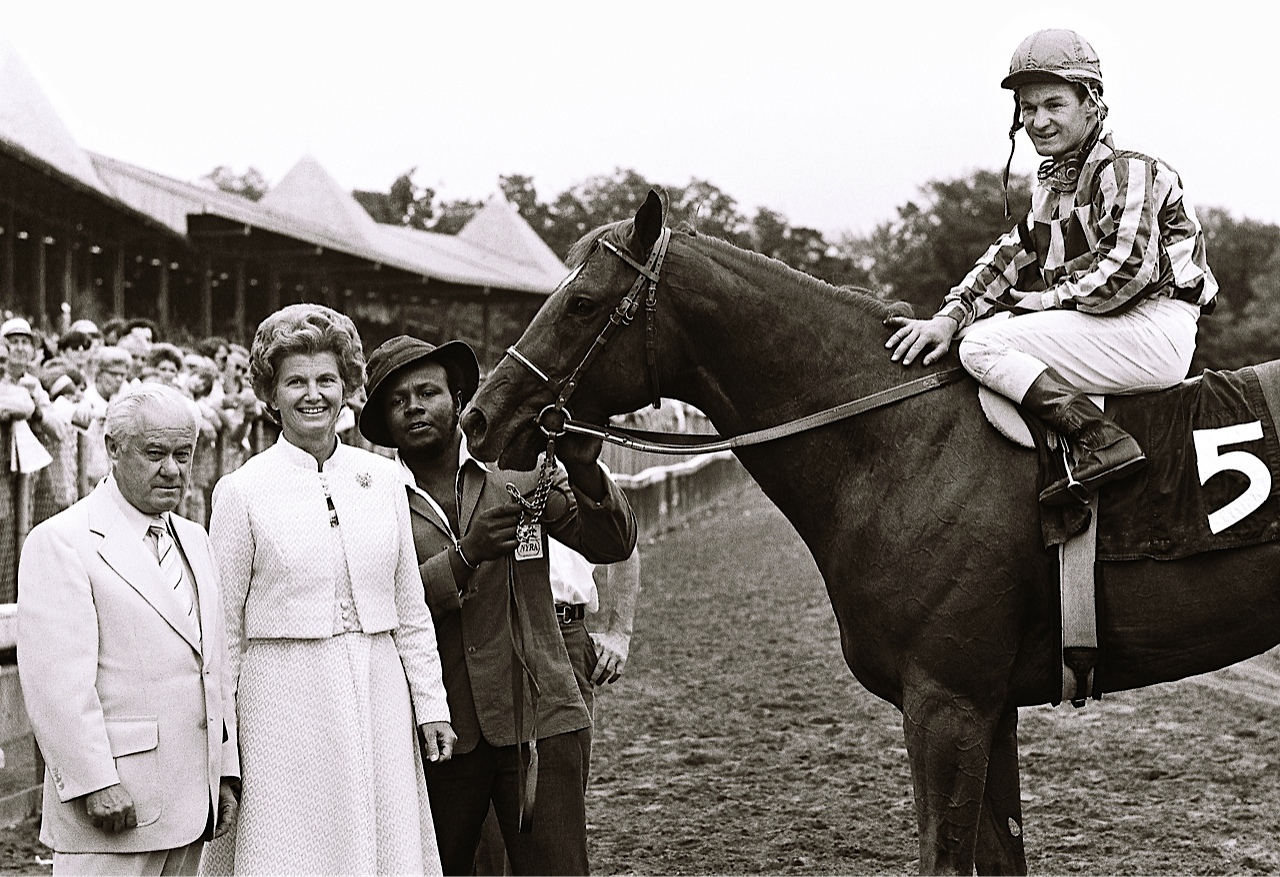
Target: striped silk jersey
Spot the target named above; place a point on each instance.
(1122, 233)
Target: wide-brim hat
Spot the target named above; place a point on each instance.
(401, 352)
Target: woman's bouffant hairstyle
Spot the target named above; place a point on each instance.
(307, 329)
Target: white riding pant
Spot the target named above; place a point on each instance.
(1148, 347)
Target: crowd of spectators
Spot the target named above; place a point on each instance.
(54, 389)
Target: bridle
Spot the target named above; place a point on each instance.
(555, 419)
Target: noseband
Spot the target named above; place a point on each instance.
(552, 419)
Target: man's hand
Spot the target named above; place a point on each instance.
(930, 338)
(439, 739)
(111, 809)
(228, 808)
(580, 455)
(492, 532)
(611, 651)
(574, 449)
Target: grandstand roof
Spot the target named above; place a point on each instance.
(497, 249)
(29, 124)
(308, 205)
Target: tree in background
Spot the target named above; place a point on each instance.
(251, 184)
(933, 243)
(916, 257)
(1245, 258)
(405, 203)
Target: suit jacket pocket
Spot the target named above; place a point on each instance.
(133, 746)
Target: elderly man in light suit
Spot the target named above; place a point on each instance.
(123, 659)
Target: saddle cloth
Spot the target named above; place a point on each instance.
(1212, 473)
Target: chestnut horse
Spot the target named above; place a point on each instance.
(921, 518)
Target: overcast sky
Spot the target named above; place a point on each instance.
(833, 113)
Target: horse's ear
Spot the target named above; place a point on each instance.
(648, 225)
(901, 309)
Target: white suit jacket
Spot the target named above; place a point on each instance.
(117, 687)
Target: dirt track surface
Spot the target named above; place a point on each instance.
(739, 742)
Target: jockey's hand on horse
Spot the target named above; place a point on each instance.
(930, 339)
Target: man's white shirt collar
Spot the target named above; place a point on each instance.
(406, 474)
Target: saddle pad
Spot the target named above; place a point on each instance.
(1213, 468)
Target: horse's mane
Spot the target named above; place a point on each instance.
(618, 232)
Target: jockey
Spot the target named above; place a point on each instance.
(1097, 290)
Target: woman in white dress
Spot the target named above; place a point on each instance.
(330, 637)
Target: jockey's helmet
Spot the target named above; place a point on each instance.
(1055, 55)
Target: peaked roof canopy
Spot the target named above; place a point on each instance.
(497, 249)
(29, 122)
(309, 194)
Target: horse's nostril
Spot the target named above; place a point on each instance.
(473, 424)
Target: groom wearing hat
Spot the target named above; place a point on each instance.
(512, 693)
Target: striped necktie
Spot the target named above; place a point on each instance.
(172, 572)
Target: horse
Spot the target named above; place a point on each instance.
(920, 517)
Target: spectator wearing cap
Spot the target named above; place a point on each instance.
(23, 344)
(89, 328)
(509, 681)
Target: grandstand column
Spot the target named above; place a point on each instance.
(8, 254)
(68, 286)
(206, 295)
(117, 282)
(162, 291)
(273, 289)
(39, 275)
(238, 317)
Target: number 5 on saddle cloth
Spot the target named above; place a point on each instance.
(1213, 459)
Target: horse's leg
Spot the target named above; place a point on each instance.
(948, 741)
(1000, 849)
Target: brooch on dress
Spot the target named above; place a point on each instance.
(363, 479)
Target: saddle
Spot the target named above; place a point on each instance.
(1213, 457)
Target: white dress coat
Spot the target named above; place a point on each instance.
(118, 686)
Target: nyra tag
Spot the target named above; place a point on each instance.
(528, 541)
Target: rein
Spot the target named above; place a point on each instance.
(685, 443)
(555, 420)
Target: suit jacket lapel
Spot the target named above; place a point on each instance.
(200, 563)
(125, 553)
(473, 482)
(420, 506)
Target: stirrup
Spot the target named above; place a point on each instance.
(1064, 491)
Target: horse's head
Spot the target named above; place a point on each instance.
(578, 354)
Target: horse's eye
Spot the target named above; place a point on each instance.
(582, 306)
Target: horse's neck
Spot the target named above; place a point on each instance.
(767, 344)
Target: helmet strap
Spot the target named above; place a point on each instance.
(1062, 175)
(1013, 144)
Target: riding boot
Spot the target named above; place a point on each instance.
(1102, 451)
